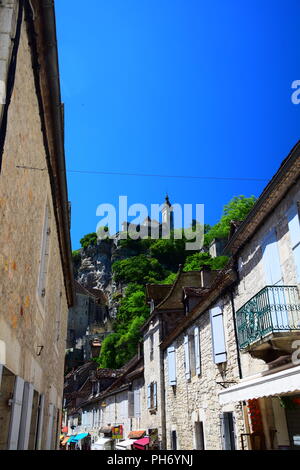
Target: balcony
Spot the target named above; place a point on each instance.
(269, 322)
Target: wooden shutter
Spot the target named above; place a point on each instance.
(25, 416)
(187, 358)
(218, 337)
(197, 351)
(16, 411)
(137, 406)
(294, 228)
(40, 422)
(172, 365)
(271, 259)
(154, 395)
(149, 396)
(130, 404)
(50, 426)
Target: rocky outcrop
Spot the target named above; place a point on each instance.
(93, 269)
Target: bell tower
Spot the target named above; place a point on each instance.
(167, 214)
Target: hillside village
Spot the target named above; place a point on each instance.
(135, 344)
(213, 363)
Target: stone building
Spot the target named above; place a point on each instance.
(35, 255)
(266, 251)
(199, 359)
(106, 400)
(168, 310)
(88, 325)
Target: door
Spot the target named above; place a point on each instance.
(292, 411)
(199, 434)
(227, 431)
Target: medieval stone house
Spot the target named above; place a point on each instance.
(35, 255)
(266, 251)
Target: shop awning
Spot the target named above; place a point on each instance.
(136, 434)
(126, 444)
(80, 436)
(65, 440)
(100, 443)
(277, 383)
(141, 443)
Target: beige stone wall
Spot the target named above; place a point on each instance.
(24, 324)
(197, 399)
(251, 269)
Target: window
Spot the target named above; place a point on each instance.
(271, 259)
(294, 229)
(134, 404)
(218, 336)
(151, 339)
(152, 396)
(172, 365)
(192, 354)
(44, 261)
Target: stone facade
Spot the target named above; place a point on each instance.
(267, 362)
(195, 400)
(33, 323)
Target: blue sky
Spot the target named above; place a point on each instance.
(175, 87)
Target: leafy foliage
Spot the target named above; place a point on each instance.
(120, 346)
(198, 260)
(138, 269)
(89, 239)
(237, 209)
(76, 256)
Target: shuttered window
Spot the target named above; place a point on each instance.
(172, 365)
(294, 229)
(137, 404)
(218, 336)
(154, 395)
(197, 351)
(25, 416)
(187, 367)
(149, 396)
(16, 411)
(130, 404)
(271, 260)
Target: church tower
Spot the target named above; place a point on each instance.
(167, 214)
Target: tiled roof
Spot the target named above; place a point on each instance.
(157, 292)
(173, 300)
(195, 291)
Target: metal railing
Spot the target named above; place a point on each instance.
(273, 309)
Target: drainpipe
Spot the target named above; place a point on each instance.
(235, 335)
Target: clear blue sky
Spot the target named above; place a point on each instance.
(178, 87)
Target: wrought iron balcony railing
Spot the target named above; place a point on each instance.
(273, 309)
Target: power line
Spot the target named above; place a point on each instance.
(153, 175)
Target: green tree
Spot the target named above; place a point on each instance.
(89, 239)
(237, 209)
(138, 269)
